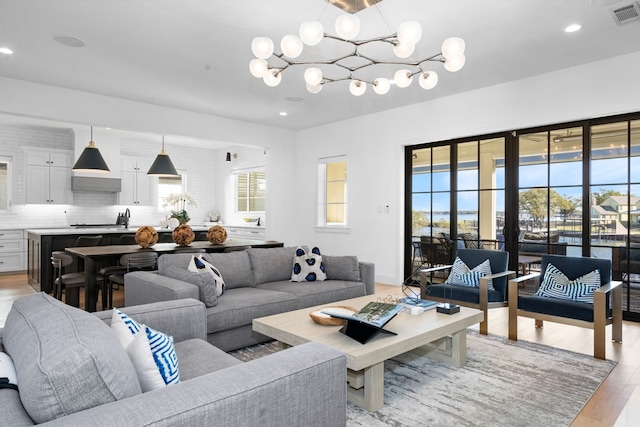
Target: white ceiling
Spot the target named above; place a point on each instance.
(194, 54)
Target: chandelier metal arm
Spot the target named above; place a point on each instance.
(347, 26)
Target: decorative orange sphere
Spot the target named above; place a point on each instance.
(146, 236)
(183, 235)
(217, 234)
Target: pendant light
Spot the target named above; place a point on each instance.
(162, 166)
(90, 160)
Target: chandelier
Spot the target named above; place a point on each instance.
(351, 66)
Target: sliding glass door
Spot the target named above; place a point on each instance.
(570, 189)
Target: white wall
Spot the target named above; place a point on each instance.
(376, 144)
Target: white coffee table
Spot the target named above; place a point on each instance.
(439, 336)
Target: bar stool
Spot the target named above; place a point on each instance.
(72, 282)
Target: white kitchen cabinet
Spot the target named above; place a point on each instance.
(12, 248)
(245, 232)
(48, 177)
(137, 188)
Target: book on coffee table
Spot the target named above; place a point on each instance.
(417, 302)
(368, 322)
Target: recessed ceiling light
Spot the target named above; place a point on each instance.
(572, 28)
(68, 40)
(283, 113)
(6, 50)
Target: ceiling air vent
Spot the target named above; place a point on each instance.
(625, 14)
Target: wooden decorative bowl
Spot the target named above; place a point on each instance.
(325, 319)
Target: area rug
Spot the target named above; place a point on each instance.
(503, 383)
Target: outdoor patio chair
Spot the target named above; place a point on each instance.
(606, 307)
(481, 297)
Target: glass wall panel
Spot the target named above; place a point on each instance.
(441, 180)
(533, 169)
(467, 166)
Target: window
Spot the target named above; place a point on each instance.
(5, 183)
(332, 191)
(170, 185)
(251, 191)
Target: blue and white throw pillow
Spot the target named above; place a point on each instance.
(199, 265)
(308, 267)
(154, 357)
(124, 327)
(462, 275)
(555, 284)
(152, 353)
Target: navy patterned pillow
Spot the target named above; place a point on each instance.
(556, 285)
(462, 275)
(308, 267)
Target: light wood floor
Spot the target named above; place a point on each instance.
(602, 410)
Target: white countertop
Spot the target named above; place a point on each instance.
(120, 230)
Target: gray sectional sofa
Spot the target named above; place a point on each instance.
(72, 371)
(258, 284)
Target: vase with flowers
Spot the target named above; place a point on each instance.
(179, 202)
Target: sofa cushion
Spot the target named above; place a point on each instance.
(198, 357)
(342, 268)
(235, 267)
(310, 294)
(308, 267)
(13, 413)
(242, 305)
(206, 287)
(463, 293)
(66, 359)
(271, 264)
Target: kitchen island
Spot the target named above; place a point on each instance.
(42, 242)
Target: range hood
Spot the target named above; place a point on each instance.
(105, 185)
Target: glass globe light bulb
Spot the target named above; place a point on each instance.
(357, 88)
(381, 86)
(347, 26)
(262, 47)
(403, 78)
(453, 46)
(291, 46)
(428, 79)
(313, 76)
(454, 63)
(311, 32)
(314, 88)
(258, 67)
(403, 50)
(409, 32)
(272, 77)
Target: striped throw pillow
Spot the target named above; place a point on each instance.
(556, 285)
(462, 275)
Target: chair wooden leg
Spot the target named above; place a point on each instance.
(616, 314)
(484, 325)
(599, 324)
(513, 310)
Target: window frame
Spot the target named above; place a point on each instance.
(249, 195)
(160, 199)
(321, 215)
(8, 161)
